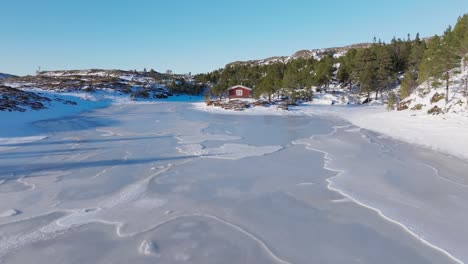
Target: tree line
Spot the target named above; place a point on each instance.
(368, 70)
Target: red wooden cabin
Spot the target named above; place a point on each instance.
(239, 91)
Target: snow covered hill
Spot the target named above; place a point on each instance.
(4, 75)
(132, 85)
(302, 54)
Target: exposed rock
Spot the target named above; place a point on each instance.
(283, 106)
(137, 84)
(403, 105)
(417, 107)
(67, 102)
(260, 103)
(435, 110)
(17, 100)
(236, 105)
(5, 76)
(437, 97)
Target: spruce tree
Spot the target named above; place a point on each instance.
(324, 72)
(408, 84)
(385, 67)
(345, 70)
(365, 71)
(428, 66)
(417, 52)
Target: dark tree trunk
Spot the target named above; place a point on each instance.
(466, 91)
(447, 88)
(466, 86)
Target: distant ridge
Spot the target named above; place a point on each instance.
(303, 54)
(4, 75)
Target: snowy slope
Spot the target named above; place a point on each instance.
(444, 133)
(15, 124)
(426, 100)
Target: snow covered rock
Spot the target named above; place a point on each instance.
(148, 248)
(9, 213)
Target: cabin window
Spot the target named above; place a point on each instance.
(239, 92)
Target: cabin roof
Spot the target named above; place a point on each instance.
(240, 86)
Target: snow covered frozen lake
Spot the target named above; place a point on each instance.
(164, 183)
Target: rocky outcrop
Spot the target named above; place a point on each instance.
(12, 99)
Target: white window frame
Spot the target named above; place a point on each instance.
(239, 92)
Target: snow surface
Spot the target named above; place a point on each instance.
(161, 164)
(445, 133)
(12, 142)
(14, 123)
(193, 185)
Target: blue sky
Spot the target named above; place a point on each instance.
(199, 36)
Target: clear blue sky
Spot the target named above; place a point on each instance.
(199, 36)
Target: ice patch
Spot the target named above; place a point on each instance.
(305, 184)
(182, 257)
(9, 213)
(13, 142)
(344, 149)
(228, 151)
(343, 200)
(148, 203)
(107, 133)
(193, 139)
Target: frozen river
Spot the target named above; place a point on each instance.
(163, 183)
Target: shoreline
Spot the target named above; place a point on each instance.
(441, 133)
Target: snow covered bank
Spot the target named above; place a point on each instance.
(16, 124)
(445, 133)
(272, 110)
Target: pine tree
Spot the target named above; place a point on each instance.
(447, 59)
(291, 77)
(271, 82)
(459, 39)
(365, 71)
(385, 71)
(345, 71)
(408, 84)
(417, 52)
(324, 73)
(428, 66)
(391, 101)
